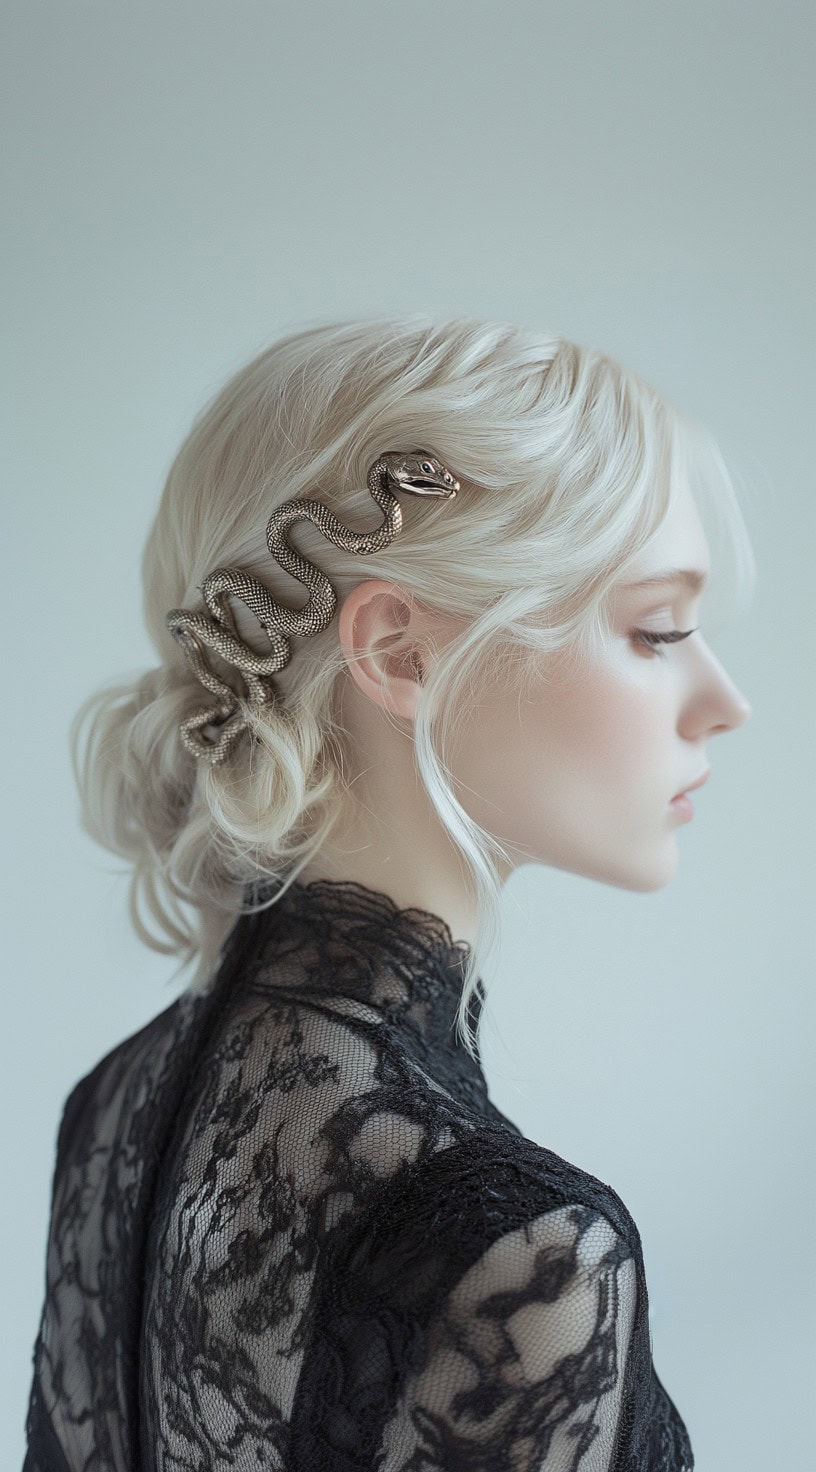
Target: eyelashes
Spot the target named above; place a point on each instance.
(649, 637)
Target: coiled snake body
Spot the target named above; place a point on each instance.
(419, 474)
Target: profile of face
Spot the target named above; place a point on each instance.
(577, 772)
(584, 771)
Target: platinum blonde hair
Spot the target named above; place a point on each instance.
(567, 461)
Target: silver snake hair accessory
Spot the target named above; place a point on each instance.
(418, 473)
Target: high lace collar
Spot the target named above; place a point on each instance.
(358, 943)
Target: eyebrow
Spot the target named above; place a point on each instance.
(690, 577)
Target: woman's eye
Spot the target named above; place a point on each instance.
(651, 638)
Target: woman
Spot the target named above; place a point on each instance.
(289, 1228)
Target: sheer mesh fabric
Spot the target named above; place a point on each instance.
(290, 1230)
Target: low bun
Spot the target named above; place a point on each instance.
(191, 836)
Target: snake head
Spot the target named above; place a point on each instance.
(420, 473)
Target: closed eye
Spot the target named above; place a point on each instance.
(650, 637)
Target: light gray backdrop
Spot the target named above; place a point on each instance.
(185, 181)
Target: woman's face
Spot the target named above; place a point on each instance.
(579, 772)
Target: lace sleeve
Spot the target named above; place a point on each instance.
(515, 1365)
(523, 1363)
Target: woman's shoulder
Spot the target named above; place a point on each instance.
(495, 1181)
(423, 1130)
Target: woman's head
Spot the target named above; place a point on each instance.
(532, 723)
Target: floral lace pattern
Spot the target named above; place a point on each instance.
(290, 1231)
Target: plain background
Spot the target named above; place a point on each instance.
(185, 181)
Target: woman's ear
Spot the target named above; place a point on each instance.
(381, 633)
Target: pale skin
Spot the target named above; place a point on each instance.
(577, 774)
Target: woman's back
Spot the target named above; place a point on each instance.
(290, 1230)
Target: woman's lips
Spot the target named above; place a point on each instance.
(692, 787)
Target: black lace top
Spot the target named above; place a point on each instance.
(291, 1233)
